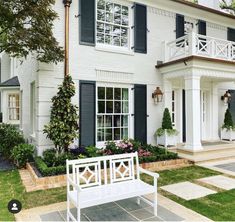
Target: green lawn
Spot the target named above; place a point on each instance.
(12, 188)
(218, 207)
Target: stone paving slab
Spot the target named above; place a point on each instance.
(219, 181)
(228, 166)
(188, 190)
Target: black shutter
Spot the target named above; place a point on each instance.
(140, 109)
(201, 27)
(87, 113)
(179, 26)
(87, 22)
(231, 34)
(140, 28)
(202, 31)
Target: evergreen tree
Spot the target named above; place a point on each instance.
(63, 126)
(166, 121)
(228, 120)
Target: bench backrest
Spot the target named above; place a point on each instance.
(103, 170)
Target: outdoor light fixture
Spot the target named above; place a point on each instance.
(157, 95)
(226, 97)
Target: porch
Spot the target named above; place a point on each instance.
(193, 87)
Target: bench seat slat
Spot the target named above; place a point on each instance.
(111, 192)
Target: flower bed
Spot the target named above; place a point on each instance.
(51, 164)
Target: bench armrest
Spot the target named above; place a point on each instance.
(70, 182)
(150, 173)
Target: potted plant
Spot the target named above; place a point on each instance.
(166, 135)
(228, 130)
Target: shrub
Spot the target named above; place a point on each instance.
(48, 171)
(9, 138)
(228, 120)
(22, 154)
(92, 151)
(62, 128)
(166, 121)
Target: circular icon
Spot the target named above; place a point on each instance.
(14, 206)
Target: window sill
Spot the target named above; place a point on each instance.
(114, 50)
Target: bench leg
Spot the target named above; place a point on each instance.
(155, 203)
(78, 214)
(138, 200)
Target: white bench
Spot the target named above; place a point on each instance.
(100, 180)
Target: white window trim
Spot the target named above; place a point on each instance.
(33, 110)
(131, 109)
(117, 49)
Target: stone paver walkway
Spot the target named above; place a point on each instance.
(5, 164)
(220, 181)
(27, 181)
(188, 190)
(125, 210)
(226, 166)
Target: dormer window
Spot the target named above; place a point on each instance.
(113, 24)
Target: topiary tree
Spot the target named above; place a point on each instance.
(63, 126)
(166, 121)
(228, 120)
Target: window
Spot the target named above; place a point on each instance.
(113, 25)
(14, 107)
(112, 114)
(173, 108)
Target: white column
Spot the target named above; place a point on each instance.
(215, 112)
(193, 113)
(167, 94)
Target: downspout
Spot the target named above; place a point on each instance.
(67, 4)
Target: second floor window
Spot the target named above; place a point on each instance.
(113, 25)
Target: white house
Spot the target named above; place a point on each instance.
(120, 51)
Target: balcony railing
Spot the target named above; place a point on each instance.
(200, 45)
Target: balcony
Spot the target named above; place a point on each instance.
(199, 45)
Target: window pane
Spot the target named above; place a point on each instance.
(117, 121)
(101, 15)
(100, 121)
(117, 107)
(109, 107)
(109, 93)
(117, 19)
(108, 29)
(117, 135)
(117, 94)
(108, 121)
(100, 135)
(124, 133)
(117, 8)
(124, 10)
(100, 27)
(109, 7)
(100, 38)
(101, 4)
(108, 135)
(108, 39)
(124, 42)
(116, 31)
(125, 108)
(101, 107)
(124, 32)
(125, 120)
(125, 94)
(125, 20)
(101, 93)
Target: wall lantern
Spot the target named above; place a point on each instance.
(157, 95)
(226, 98)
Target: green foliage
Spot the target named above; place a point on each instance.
(53, 159)
(9, 138)
(49, 171)
(166, 121)
(228, 6)
(228, 120)
(26, 27)
(92, 151)
(170, 132)
(63, 126)
(22, 154)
